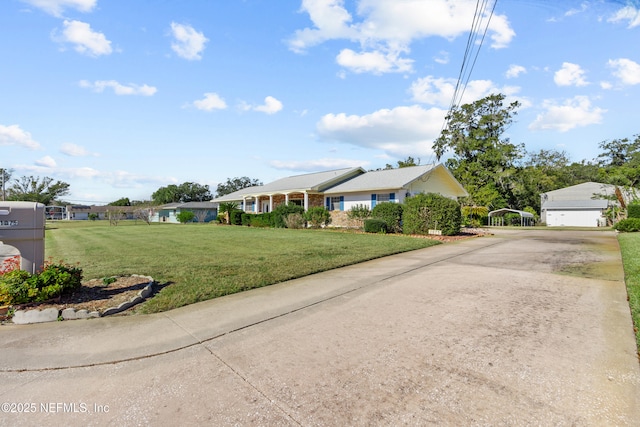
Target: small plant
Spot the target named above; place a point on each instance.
(185, 217)
(359, 213)
(108, 280)
(10, 264)
(628, 225)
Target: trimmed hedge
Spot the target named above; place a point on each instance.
(391, 213)
(424, 212)
(235, 217)
(375, 225)
(628, 225)
(633, 210)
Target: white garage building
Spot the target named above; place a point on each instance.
(582, 205)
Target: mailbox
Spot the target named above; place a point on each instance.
(22, 226)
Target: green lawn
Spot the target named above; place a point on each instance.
(205, 261)
(630, 249)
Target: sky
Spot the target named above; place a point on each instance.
(121, 97)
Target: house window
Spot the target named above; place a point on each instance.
(384, 197)
(297, 202)
(335, 203)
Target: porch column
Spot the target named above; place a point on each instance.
(244, 204)
(255, 206)
(270, 202)
(286, 198)
(306, 201)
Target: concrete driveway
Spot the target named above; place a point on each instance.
(520, 328)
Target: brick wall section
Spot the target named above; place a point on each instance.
(341, 219)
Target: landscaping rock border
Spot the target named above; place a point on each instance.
(24, 317)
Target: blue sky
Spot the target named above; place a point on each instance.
(119, 98)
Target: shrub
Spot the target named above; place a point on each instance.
(633, 210)
(374, 225)
(424, 212)
(235, 217)
(261, 220)
(294, 220)
(245, 219)
(282, 211)
(628, 225)
(359, 213)
(317, 217)
(391, 213)
(19, 286)
(185, 216)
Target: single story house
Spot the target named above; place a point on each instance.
(340, 190)
(82, 212)
(203, 211)
(582, 205)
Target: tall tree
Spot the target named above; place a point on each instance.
(183, 193)
(481, 158)
(409, 161)
(541, 171)
(34, 189)
(620, 161)
(121, 202)
(5, 177)
(235, 184)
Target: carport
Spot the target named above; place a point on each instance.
(496, 218)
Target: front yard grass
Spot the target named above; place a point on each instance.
(630, 249)
(205, 261)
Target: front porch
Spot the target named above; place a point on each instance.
(263, 203)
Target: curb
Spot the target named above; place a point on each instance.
(24, 317)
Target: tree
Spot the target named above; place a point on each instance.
(482, 160)
(185, 216)
(121, 202)
(620, 161)
(409, 161)
(235, 184)
(34, 189)
(542, 171)
(5, 177)
(183, 193)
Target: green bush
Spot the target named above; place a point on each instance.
(317, 217)
(235, 217)
(282, 211)
(633, 210)
(391, 213)
(424, 212)
(261, 220)
(245, 219)
(359, 212)
(19, 286)
(628, 225)
(375, 225)
(185, 216)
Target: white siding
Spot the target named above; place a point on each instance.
(573, 218)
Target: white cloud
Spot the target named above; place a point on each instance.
(14, 135)
(375, 62)
(271, 106)
(400, 131)
(387, 28)
(118, 88)
(443, 58)
(626, 70)
(84, 39)
(439, 91)
(514, 71)
(189, 43)
(606, 85)
(46, 162)
(575, 112)
(74, 150)
(316, 165)
(56, 7)
(570, 75)
(211, 101)
(627, 13)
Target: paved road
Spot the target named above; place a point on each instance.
(521, 328)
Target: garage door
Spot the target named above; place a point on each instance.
(573, 218)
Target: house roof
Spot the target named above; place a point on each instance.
(584, 191)
(576, 204)
(188, 205)
(389, 179)
(318, 181)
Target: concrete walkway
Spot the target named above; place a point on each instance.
(524, 327)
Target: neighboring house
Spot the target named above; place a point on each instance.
(203, 211)
(340, 190)
(582, 205)
(82, 212)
